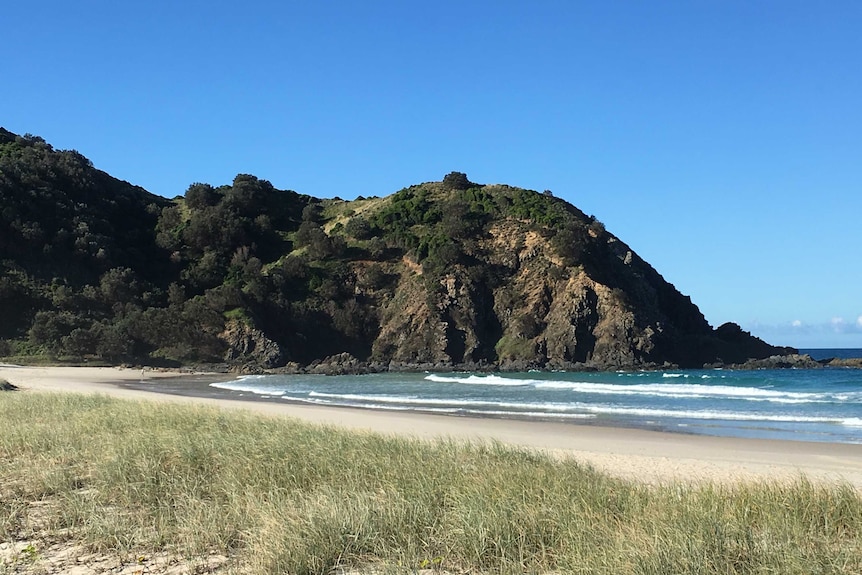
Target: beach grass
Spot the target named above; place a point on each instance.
(280, 496)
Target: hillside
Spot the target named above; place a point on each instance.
(436, 275)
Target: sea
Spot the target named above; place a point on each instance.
(786, 404)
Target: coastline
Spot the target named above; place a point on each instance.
(648, 456)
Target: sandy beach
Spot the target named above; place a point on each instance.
(628, 453)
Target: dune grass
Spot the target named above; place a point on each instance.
(280, 496)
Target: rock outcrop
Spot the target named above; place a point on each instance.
(789, 361)
(512, 302)
(249, 349)
(855, 362)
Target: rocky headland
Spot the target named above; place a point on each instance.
(449, 274)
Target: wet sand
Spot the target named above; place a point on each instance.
(640, 455)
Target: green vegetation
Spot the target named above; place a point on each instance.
(515, 348)
(280, 496)
(96, 269)
(93, 269)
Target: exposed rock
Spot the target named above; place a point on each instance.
(249, 348)
(734, 345)
(290, 367)
(340, 364)
(844, 362)
(612, 312)
(6, 386)
(795, 361)
(411, 332)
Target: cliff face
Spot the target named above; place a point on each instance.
(541, 313)
(438, 274)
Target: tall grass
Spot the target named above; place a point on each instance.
(280, 496)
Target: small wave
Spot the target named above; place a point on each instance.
(479, 380)
(683, 390)
(458, 403)
(665, 390)
(712, 415)
(453, 410)
(251, 377)
(238, 385)
(535, 414)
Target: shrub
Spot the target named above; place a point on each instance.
(358, 228)
(456, 181)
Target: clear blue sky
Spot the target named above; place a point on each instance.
(722, 139)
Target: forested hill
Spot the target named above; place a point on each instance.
(438, 274)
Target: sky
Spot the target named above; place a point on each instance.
(720, 139)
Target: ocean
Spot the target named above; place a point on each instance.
(791, 404)
(828, 353)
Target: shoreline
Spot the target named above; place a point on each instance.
(640, 455)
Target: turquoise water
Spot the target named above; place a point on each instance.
(798, 404)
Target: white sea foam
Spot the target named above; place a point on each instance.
(377, 406)
(479, 380)
(536, 414)
(710, 415)
(666, 390)
(240, 385)
(457, 410)
(459, 403)
(683, 390)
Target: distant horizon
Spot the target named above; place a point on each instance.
(720, 141)
(828, 348)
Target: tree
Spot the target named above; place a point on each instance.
(460, 220)
(169, 228)
(80, 342)
(114, 342)
(359, 228)
(457, 181)
(377, 248)
(312, 213)
(50, 327)
(200, 196)
(119, 285)
(571, 243)
(318, 244)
